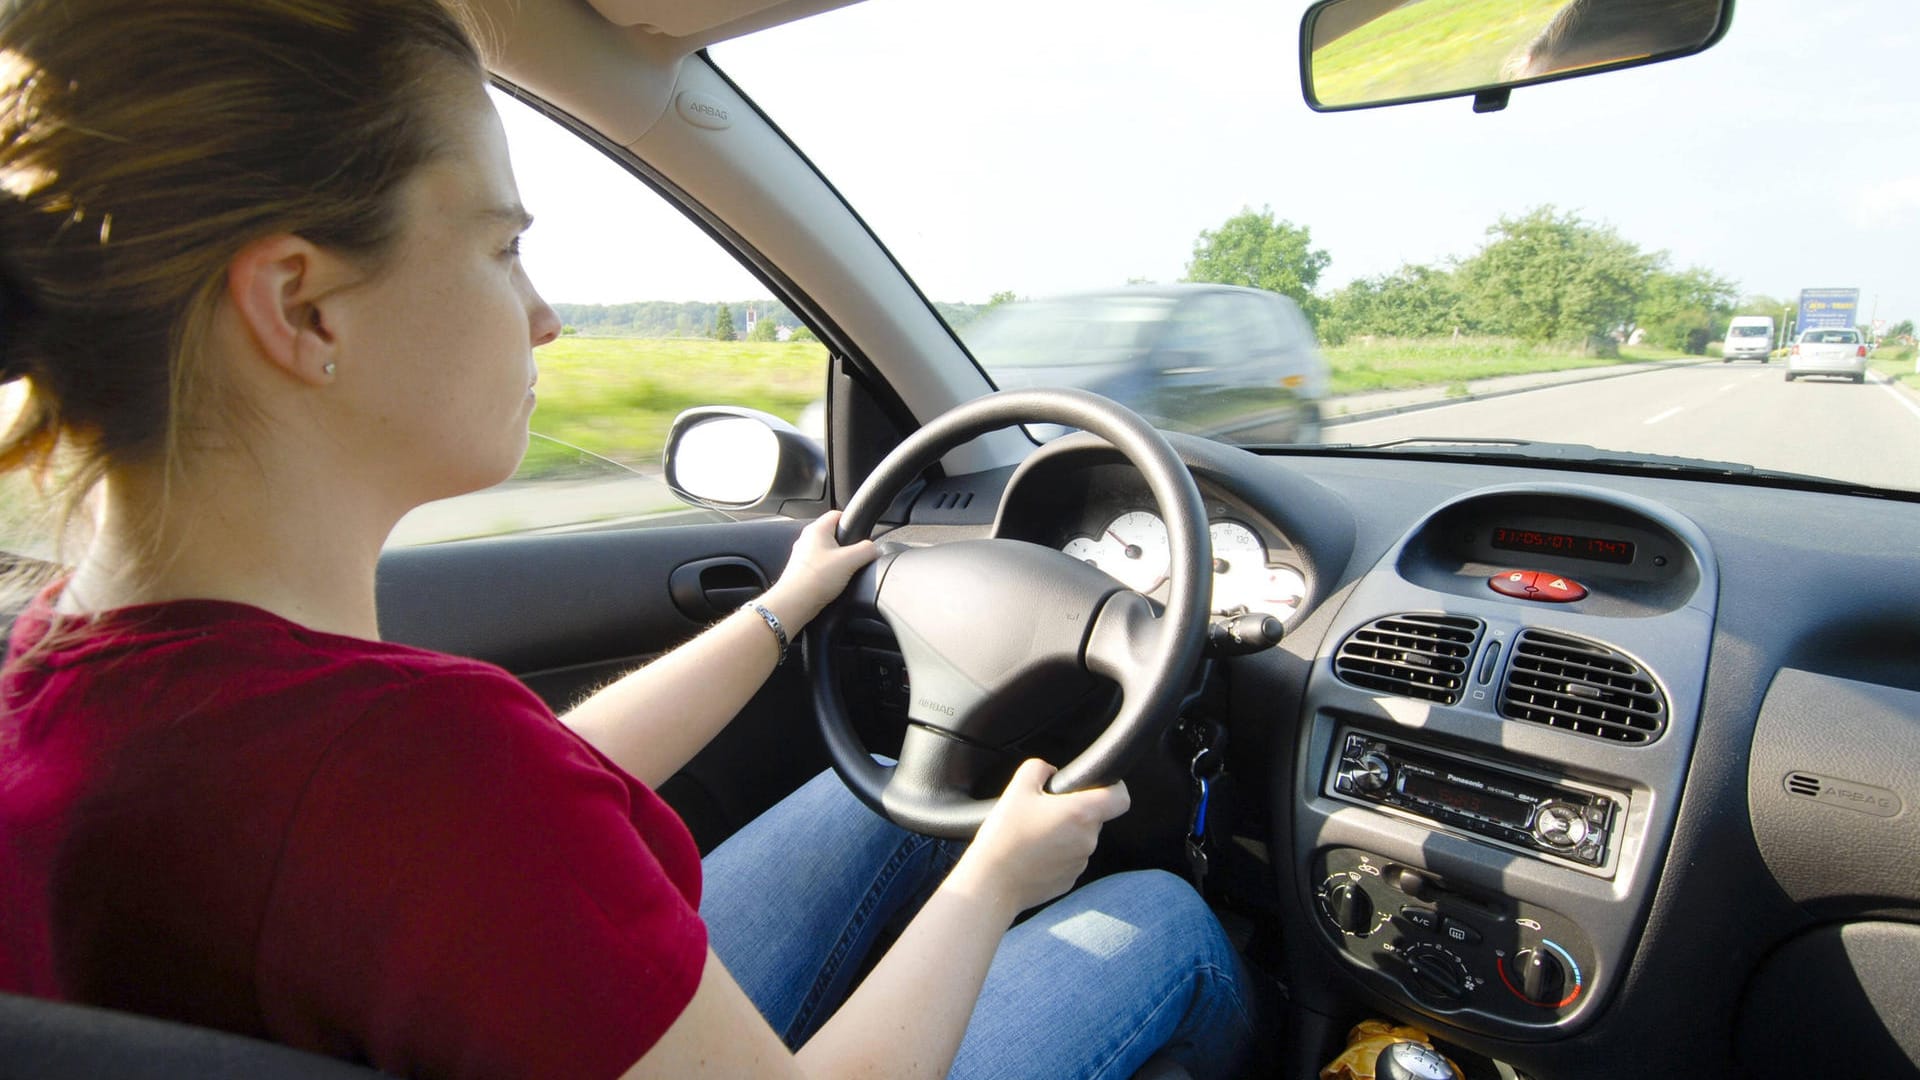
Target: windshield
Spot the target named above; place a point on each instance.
(1830, 337)
(1566, 270)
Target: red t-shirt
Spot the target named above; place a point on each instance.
(211, 814)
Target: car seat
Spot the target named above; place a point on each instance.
(51, 1040)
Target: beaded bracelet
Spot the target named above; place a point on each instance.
(773, 624)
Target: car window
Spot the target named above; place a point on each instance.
(656, 318)
(1208, 332)
(1830, 337)
(1564, 271)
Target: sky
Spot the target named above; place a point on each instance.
(1094, 149)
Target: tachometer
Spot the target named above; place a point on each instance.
(1141, 539)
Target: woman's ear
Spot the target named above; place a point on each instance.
(280, 287)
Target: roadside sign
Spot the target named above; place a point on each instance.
(1822, 309)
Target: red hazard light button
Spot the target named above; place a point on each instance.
(1556, 589)
(1515, 583)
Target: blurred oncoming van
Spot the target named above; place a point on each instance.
(1749, 337)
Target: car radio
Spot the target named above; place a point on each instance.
(1535, 814)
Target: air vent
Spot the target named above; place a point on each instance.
(1418, 656)
(1802, 784)
(953, 500)
(1581, 686)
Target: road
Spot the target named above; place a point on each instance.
(1740, 412)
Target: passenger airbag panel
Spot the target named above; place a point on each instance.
(1832, 786)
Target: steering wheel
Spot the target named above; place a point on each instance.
(996, 633)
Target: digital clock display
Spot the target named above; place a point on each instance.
(1568, 545)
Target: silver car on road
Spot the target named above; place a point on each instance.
(1837, 351)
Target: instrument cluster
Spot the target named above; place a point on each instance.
(1132, 549)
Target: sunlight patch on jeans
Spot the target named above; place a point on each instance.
(1096, 932)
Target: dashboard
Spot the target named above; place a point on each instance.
(1542, 746)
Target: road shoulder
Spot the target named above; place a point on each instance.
(1378, 403)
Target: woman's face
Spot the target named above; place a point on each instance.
(438, 367)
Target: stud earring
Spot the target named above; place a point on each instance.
(327, 369)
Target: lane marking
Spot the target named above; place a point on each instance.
(1729, 386)
(1898, 394)
(1664, 415)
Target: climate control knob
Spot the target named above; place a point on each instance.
(1348, 906)
(1538, 976)
(1437, 972)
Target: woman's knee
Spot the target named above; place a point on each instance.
(1166, 907)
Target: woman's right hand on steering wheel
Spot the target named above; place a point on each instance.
(1034, 845)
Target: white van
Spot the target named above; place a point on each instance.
(1749, 337)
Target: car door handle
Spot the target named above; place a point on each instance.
(710, 587)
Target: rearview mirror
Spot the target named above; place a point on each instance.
(1357, 54)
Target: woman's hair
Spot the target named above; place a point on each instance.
(143, 143)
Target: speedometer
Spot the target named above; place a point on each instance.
(1239, 566)
(1242, 580)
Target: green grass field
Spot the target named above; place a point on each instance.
(1452, 47)
(1896, 363)
(617, 397)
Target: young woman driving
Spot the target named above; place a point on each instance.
(259, 297)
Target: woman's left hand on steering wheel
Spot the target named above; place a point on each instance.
(817, 571)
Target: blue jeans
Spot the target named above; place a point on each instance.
(1090, 986)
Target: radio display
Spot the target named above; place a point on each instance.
(1485, 804)
(1541, 542)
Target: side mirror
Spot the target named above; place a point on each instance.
(1356, 54)
(729, 458)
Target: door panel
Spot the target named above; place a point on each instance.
(571, 612)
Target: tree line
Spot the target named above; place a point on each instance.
(1546, 276)
(724, 321)
(669, 318)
